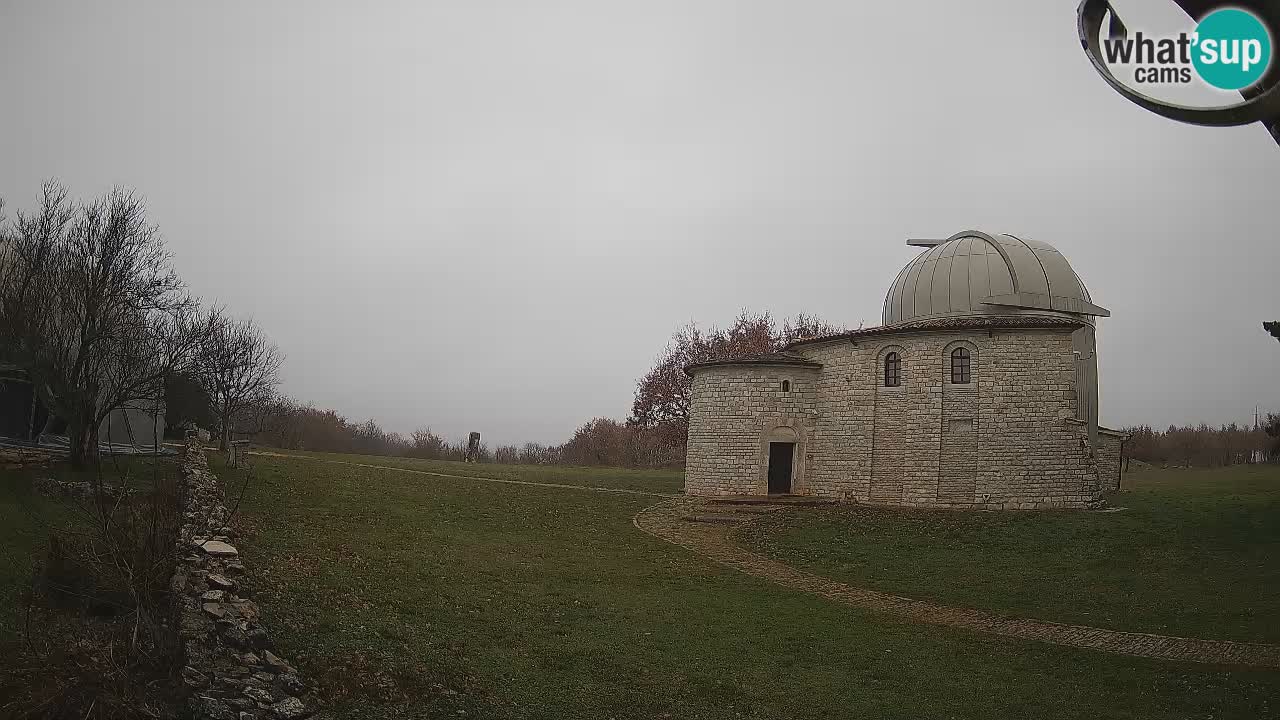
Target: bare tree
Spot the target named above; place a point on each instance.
(239, 368)
(91, 308)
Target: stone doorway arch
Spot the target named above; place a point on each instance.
(783, 443)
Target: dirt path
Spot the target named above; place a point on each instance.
(480, 478)
(666, 521)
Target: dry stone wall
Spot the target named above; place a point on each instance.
(1110, 456)
(231, 669)
(1005, 440)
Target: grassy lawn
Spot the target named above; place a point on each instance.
(656, 481)
(28, 518)
(414, 596)
(1195, 553)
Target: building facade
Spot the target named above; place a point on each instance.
(979, 391)
(137, 425)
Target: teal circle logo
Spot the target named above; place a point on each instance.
(1232, 49)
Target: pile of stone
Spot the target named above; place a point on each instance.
(19, 458)
(230, 667)
(53, 487)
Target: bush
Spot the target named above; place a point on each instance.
(98, 638)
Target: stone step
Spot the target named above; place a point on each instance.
(724, 518)
(750, 509)
(775, 500)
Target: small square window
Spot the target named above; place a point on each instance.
(786, 386)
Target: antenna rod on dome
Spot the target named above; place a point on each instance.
(924, 242)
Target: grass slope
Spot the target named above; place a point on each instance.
(1195, 553)
(655, 481)
(413, 596)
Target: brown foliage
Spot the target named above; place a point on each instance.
(607, 442)
(427, 445)
(662, 396)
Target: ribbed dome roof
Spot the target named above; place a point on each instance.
(973, 273)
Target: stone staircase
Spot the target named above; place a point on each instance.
(733, 509)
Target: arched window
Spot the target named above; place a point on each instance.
(786, 386)
(960, 366)
(892, 370)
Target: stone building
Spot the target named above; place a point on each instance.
(980, 390)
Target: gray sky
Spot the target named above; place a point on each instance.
(491, 215)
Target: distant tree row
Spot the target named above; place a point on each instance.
(289, 425)
(1204, 446)
(654, 436)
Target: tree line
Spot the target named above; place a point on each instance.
(1205, 446)
(653, 436)
(601, 441)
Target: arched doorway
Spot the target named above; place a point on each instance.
(782, 453)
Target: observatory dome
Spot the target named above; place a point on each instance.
(977, 274)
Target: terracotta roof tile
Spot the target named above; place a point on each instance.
(769, 358)
(959, 323)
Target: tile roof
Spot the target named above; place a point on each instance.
(958, 323)
(769, 358)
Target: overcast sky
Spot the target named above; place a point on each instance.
(491, 215)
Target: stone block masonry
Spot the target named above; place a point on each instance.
(980, 390)
(1007, 439)
(735, 413)
(230, 666)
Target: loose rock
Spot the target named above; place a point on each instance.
(219, 582)
(274, 663)
(219, 548)
(214, 709)
(289, 709)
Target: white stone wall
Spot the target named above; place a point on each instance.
(733, 413)
(1002, 441)
(1110, 458)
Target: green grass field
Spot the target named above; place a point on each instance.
(1194, 553)
(655, 481)
(409, 595)
(28, 518)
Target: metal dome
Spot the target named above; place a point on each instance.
(976, 274)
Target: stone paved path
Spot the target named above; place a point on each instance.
(669, 522)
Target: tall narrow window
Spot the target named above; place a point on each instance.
(786, 386)
(892, 370)
(960, 359)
